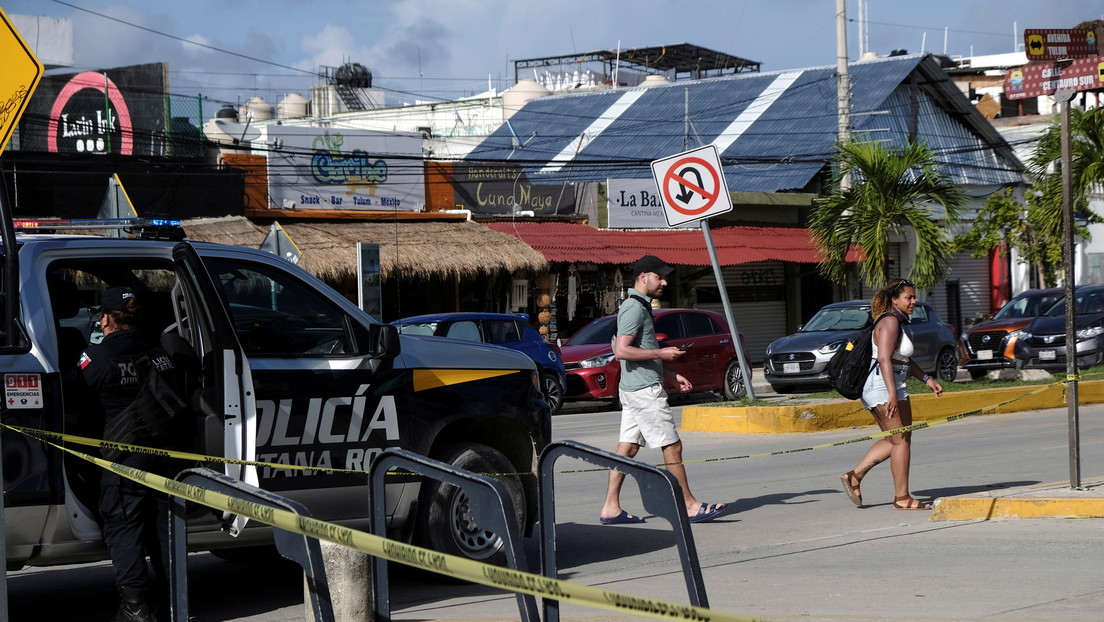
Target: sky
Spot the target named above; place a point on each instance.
(432, 50)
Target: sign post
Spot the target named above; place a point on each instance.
(1074, 67)
(22, 72)
(692, 188)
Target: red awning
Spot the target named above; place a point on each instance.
(568, 242)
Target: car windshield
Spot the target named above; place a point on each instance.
(1027, 305)
(838, 318)
(1091, 302)
(598, 331)
(418, 328)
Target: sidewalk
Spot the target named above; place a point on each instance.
(1056, 499)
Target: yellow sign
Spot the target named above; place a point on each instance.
(18, 80)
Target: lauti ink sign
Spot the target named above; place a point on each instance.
(119, 111)
(90, 115)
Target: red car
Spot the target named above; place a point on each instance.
(710, 361)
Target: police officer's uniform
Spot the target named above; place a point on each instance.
(135, 517)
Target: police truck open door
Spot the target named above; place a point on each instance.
(227, 397)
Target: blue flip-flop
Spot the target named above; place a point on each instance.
(707, 512)
(624, 518)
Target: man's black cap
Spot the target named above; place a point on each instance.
(114, 298)
(651, 263)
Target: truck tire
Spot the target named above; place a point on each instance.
(445, 522)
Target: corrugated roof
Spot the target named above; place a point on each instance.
(775, 130)
(569, 242)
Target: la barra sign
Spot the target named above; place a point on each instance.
(1083, 74)
(18, 80)
(1058, 44)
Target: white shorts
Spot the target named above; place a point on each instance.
(875, 392)
(646, 418)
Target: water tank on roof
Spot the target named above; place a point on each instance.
(516, 96)
(293, 106)
(654, 79)
(354, 75)
(262, 110)
(227, 112)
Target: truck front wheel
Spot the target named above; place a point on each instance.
(446, 523)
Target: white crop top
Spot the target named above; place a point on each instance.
(903, 352)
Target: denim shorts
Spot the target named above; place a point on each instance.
(875, 392)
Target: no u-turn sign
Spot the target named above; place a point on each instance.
(692, 185)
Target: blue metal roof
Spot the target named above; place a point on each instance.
(775, 130)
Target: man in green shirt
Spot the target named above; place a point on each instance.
(646, 417)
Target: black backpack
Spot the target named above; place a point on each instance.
(851, 364)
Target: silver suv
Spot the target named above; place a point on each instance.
(801, 359)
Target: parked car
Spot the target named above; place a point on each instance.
(508, 330)
(1042, 343)
(710, 362)
(991, 344)
(801, 359)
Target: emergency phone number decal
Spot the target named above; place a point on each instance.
(22, 391)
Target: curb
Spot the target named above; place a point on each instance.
(842, 414)
(1049, 500)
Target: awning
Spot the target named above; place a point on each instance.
(409, 249)
(568, 242)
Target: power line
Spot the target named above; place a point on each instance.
(181, 39)
(914, 27)
(221, 50)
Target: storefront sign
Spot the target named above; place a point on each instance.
(120, 111)
(505, 189)
(635, 204)
(322, 168)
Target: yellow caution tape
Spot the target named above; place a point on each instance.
(441, 563)
(182, 455)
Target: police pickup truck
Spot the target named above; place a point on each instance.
(284, 371)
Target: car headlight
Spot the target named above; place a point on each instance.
(831, 347)
(598, 361)
(1019, 334)
(1089, 333)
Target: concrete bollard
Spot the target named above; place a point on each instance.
(349, 573)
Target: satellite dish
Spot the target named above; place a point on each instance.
(241, 132)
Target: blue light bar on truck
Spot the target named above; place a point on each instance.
(149, 228)
(30, 224)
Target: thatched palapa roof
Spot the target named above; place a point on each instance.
(409, 249)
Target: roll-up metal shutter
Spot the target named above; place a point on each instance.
(757, 293)
(962, 296)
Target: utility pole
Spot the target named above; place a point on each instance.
(843, 84)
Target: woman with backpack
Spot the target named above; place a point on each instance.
(885, 395)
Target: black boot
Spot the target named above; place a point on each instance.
(133, 606)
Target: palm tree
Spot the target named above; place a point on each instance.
(893, 189)
(1087, 150)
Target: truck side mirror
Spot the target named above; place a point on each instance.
(383, 341)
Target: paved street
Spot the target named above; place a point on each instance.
(793, 548)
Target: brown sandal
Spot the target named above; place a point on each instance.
(853, 492)
(911, 503)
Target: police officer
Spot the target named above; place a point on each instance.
(135, 517)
